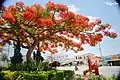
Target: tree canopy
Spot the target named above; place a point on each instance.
(50, 26)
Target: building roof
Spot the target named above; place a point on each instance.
(87, 54)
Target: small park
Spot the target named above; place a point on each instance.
(39, 29)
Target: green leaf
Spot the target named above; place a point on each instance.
(19, 17)
(44, 14)
(14, 33)
(74, 31)
(31, 30)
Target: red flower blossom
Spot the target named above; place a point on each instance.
(106, 25)
(63, 15)
(70, 15)
(98, 21)
(38, 7)
(27, 15)
(50, 6)
(106, 33)
(99, 37)
(12, 9)
(1, 21)
(45, 22)
(61, 7)
(20, 3)
(113, 35)
(91, 25)
(8, 16)
(57, 21)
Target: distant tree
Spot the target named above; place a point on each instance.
(37, 56)
(17, 57)
(4, 57)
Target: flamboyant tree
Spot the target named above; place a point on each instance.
(50, 26)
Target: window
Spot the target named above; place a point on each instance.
(84, 57)
(80, 57)
(76, 57)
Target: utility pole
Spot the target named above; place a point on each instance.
(51, 58)
(8, 49)
(101, 53)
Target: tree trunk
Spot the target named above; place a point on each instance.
(30, 50)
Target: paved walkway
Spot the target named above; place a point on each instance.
(79, 71)
(107, 71)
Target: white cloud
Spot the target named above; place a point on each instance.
(92, 18)
(111, 3)
(73, 8)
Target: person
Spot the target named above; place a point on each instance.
(76, 68)
(96, 68)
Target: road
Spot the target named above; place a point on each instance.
(107, 71)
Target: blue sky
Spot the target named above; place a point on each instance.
(106, 10)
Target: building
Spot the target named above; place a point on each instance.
(113, 60)
(79, 59)
(58, 57)
(83, 58)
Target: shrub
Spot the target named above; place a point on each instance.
(30, 66)
(1, 68)
(69, 75)
(1, 76)
(101, 78)
(15, 75)
(43, 75)
(44, 66)
(28, 76)
(7, 75)
(60, 75)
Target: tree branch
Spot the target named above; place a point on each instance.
(53, 17)
(30, 21)
(26, 47)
